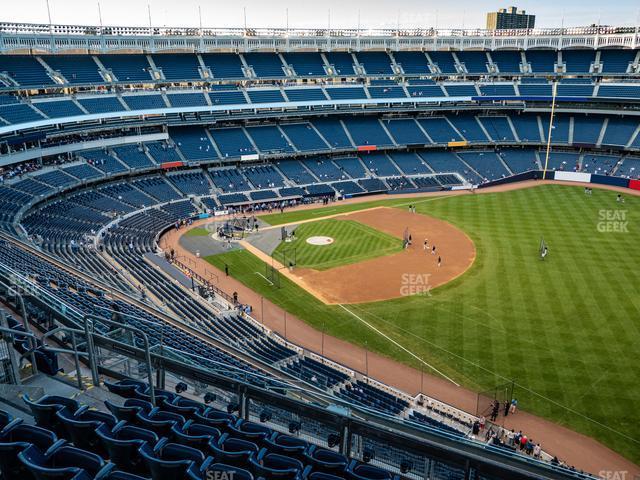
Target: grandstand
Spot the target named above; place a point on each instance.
(103, 153)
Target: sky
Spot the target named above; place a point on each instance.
(318, 14)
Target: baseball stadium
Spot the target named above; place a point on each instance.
(319, 254)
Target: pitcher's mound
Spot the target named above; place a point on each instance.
(320, 240)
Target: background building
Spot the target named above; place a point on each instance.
(508, 18)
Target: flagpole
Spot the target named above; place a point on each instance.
(553, 110)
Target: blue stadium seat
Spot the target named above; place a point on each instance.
(406, 132)
(158, 421)
(58, 108)
(272, 466)
(508, 61)
(367, 131)
(232, 142)
(468, 127)
(80, 426)
(170, 461)
(14, 438)
(439, 130)
(498, 128)
(25, 70)
(475, 62)
(122, 444)
(144, 101)
(412, 62)
(346, 93)
(233, 451)
(63, 462)
(189, 99)
(101, 104)
(306, 64)
(306, 94)
(286, 445)
(19, 113)
(333, 132)
(542, 61)
(178, 66)
(616, 60)
(194, 143)
(324, 460)
(341, 62)
(195, 435)
(44, 410)
(461, 89)
(224, 65)
(578, 61)
(375, 63)
(265, 95)
(127, 68)
(444, 61)
(361, 471)
(250, 431)
(76, 69)
(304, 137)
(265, 65)
(269, 139)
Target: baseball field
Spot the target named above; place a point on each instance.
(565, 329)
(353, 242)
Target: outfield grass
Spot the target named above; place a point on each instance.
(353, 242)
(198, 232)
(566, 329)
(337, 209)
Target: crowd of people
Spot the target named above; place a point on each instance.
(11, 171)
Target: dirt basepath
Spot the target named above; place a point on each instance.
(576, 449)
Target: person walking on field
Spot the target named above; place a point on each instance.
(426, 244)
(439, 261)
(433, 250)
(514, 406)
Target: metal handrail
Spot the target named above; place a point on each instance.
(11, 290)
(88, 320)
(194, 275)
(74, 351)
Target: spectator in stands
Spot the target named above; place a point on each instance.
(516, 439)
(537, 450)
(523, 442)
(475, 429)
(529, 447)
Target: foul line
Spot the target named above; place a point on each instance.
(258, 273)
(398, 345)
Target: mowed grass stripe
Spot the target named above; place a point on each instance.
(567, 328)
(353, 242)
